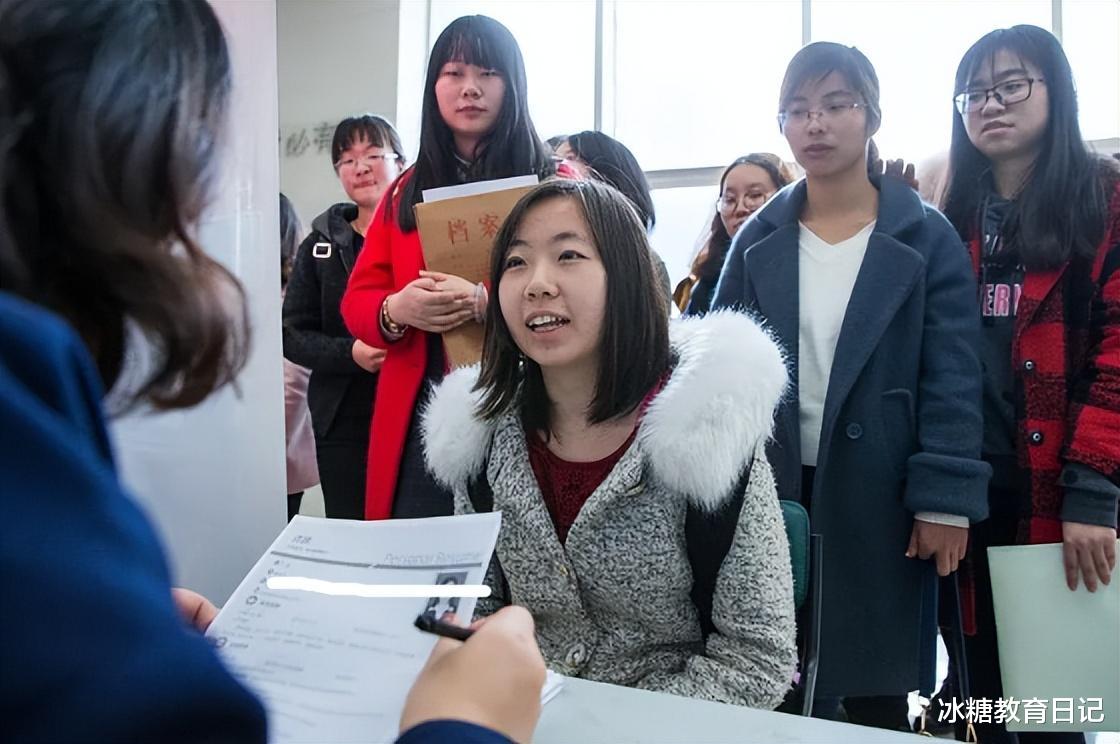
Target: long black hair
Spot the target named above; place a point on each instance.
(111, 114)
(1061, 210)
(512, 148)
(635, 337)
(612, 162)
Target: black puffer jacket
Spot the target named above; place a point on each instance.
(314, 333)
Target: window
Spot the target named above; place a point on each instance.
(1090, 40)
(683, 218)
(696, 84)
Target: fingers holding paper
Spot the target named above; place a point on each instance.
(457, 284)
(1089, 552)
(494, 679)
(195, 609)
(449, 282)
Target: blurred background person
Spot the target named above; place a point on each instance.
(593, 154)
(303, 472)
(745, 186)
(367, 155)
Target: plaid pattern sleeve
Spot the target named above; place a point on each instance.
(1094, 411)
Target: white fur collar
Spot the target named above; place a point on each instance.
(698, 433)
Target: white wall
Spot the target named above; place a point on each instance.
(336, 58)
(213, 477)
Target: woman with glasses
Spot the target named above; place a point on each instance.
(869, 291)
(1041, 217)
(475, 126)
(367, 156)
(744, 187)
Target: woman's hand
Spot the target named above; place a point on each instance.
(369, 358)
(899, 169)
(426, 305)
(944, 543)
(493, 680)
(195, 609)
(452, 283)
(1088, 550)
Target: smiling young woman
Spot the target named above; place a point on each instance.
(584, 424)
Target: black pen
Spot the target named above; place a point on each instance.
(429, 624)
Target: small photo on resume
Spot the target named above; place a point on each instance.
(437, 607)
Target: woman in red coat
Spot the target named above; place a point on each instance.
(1041, 217)
(475, 127)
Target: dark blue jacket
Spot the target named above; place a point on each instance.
(901, 431)
(91, 645)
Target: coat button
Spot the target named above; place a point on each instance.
(1029, 365)
(564, 570)
(577, 654)
(1036, 437)
(853, 431)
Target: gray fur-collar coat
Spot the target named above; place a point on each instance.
(612, 604)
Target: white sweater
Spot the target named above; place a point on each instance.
(826, 274)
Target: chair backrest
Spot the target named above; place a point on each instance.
(797, 533)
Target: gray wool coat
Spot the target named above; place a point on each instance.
(612, 604)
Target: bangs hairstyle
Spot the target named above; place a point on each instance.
(111, 114)
(709, 262)
(613, 163)
(512, 148)
(1062, 209)
(816, 61)
(634, 348)
(369, 127)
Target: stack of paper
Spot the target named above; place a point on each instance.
(338, 668)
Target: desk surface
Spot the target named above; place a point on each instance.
(592, 712)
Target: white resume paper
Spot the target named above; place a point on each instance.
(338, 668)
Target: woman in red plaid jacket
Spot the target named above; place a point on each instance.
(1041, 217)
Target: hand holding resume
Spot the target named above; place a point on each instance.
(457, 227)
(330, 662)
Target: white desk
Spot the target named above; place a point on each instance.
(594, 713)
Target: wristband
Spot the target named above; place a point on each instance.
(391, 328)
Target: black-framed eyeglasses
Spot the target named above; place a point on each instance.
(368, 159)
(1008, 92)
